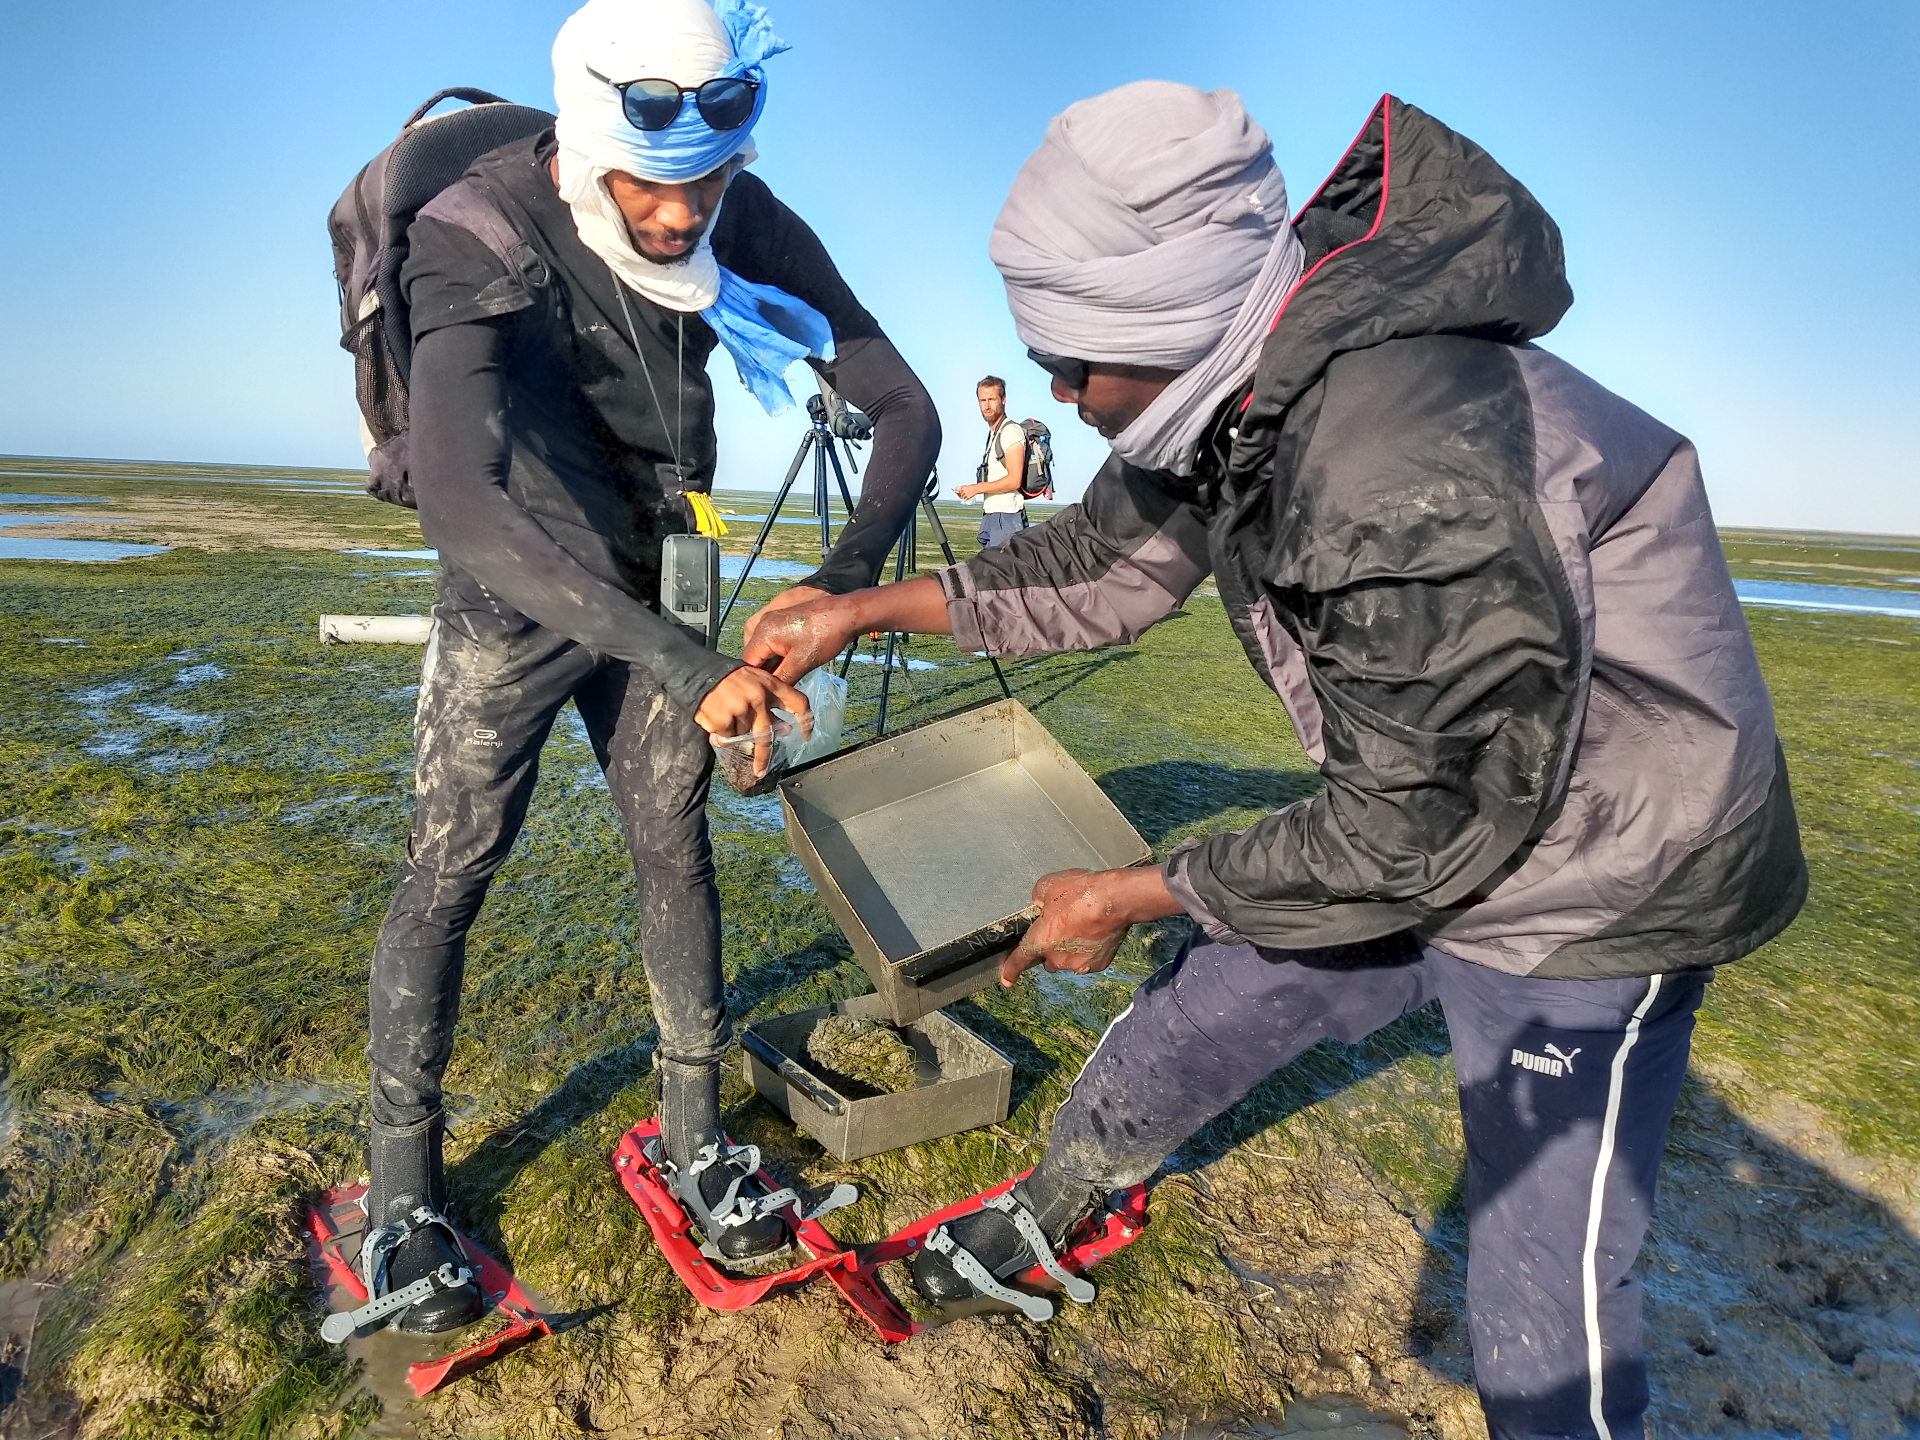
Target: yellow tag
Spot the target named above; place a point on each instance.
(706, 520)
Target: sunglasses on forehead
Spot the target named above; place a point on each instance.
(1069, 372)
(725, 103)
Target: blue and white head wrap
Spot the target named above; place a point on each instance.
(687, 42)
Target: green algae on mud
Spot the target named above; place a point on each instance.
(201, 809)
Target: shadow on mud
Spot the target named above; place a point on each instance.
(482, 1179)
(1064, 678)
(1778, 1297)
(480, 1182)
(1169, 795)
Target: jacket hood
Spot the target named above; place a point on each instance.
(1418, 231)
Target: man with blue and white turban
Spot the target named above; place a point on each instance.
(565, 296)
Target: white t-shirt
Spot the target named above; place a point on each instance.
(1007, 502)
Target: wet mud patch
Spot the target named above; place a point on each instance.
(1779, 1297)
(1330, 1419)
(191, 524)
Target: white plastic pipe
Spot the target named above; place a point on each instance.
(375, 629)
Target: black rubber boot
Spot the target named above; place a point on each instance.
(405, 1166)
(690, 1121)
(1058, 1202)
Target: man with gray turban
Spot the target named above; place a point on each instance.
(1490, 598)
(565, 296)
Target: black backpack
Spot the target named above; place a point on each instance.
(1037, 483)
(369, 229)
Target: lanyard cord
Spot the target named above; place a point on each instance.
(679, 375)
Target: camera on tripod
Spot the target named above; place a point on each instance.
(841, 419)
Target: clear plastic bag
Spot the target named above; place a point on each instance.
(826, 696)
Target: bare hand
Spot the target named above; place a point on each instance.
(1084, 915)
(965, 492)
(743, 704)
(802, 636)
(797, 595)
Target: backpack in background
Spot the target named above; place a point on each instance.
(1037, 482)
(368, 225)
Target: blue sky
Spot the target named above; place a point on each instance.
(1736, 184)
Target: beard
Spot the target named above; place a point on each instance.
(668, 261)
(690, 238)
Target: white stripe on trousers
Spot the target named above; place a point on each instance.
(1589, 1260)
(1087, 1064)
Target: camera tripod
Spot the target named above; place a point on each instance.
(825, 426)
(905, 561)
(819, 439)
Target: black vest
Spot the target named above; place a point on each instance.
(593, 453)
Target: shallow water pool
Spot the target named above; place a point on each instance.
(1793, 595)
(83, 550)
(731, 567)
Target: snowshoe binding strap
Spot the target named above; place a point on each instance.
(1035, 1307)
(734, 1207)
(841, 1196)
(375, 1251)
(344, 1325)
(1078, 1290)
(838, 1198)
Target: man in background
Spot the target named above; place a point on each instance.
(1002, 467)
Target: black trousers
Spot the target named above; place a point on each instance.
(491, 684)
(1566, 1089)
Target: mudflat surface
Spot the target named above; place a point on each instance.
(201, 813)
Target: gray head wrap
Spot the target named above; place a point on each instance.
(1150, 228)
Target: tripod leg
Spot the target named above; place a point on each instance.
(906, 669)
(846, 496)
(946, 549)
(886, 664)
(886, 675)
(766, 528)
(823, 452)
(903, 563)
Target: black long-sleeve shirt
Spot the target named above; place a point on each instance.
(547, 452)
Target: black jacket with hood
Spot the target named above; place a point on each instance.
(1488, 592)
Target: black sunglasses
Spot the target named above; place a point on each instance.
(1069, 372)
(725, 103)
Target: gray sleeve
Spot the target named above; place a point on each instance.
(1098, 573)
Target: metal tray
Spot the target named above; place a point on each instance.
(965, 1082)
(925, 844)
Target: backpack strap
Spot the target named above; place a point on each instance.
(457, 92)
(465, 206)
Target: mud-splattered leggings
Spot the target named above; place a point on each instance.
(1566, 1090)
(491, 686)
